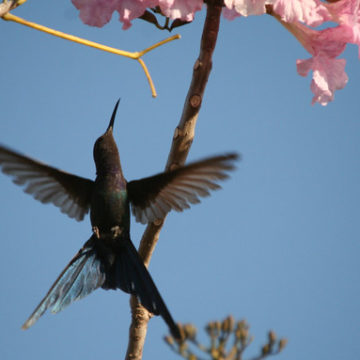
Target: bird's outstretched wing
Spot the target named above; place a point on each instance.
(71, 193)
(153, 197)
(83, 275)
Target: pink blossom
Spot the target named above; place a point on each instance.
(230, 14)
(245, 7)
(99, 12)
(328, 75)
(95, 12)
(344, 7)
(325, 45)
(310, 12)
(132, 9)
(347, 14)
(180, 9)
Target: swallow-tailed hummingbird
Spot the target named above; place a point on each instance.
(109, 259)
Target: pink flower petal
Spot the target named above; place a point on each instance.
(99, 12)
(331, 41)
(347, 14)
(95, 12)
(328, 76)
(247, 7)
(132, 9)
(230, 14)
(345, 7)
(310, 12)
(180, 9)
(304, 66)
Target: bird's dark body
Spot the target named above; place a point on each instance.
(109, 201)
(109, 259)
(110, 204)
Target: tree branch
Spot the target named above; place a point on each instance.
(182, 140)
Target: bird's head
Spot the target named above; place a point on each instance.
(106, 154)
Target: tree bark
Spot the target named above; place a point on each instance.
(182, 139)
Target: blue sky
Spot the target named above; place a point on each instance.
(278, 245)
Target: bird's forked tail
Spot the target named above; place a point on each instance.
(98, 265)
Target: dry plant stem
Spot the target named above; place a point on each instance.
(132, 55)
(182, 140)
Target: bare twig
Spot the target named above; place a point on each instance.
(132, 55)
(182, 140)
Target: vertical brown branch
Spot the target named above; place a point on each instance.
(181, 143)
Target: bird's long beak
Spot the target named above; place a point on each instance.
(111, 124)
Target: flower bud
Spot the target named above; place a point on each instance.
(272, 337)
(218, 325)
(231, 321)
(243, 334)
(210, 327)
(265, 349)
(282, 344)
(241, 324)
(225, 325)
(190, 331)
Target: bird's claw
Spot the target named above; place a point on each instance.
(116, 231)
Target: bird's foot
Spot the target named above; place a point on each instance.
(116, 231)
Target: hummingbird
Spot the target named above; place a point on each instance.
(109, 259)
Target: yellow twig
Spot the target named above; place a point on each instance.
(132, 55)
(162, 42)
(147, 74)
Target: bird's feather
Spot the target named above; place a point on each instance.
(111, 267)
(153, 197)
(131, 275)
(71, 193)
(81, 276)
